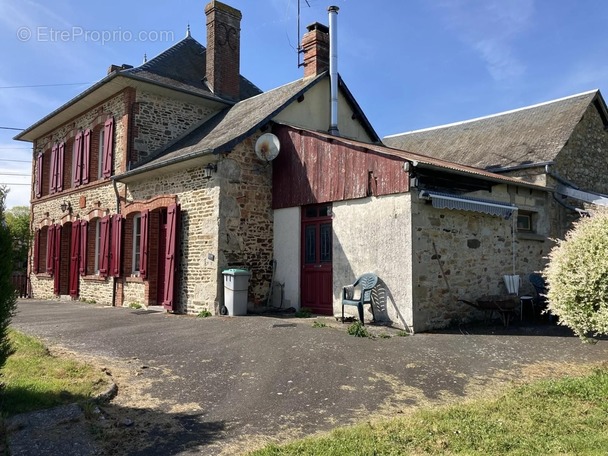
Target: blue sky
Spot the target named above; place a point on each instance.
(410, 64)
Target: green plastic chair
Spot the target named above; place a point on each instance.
(364, 286)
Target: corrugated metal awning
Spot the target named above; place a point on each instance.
(463, 203)
(588, 197)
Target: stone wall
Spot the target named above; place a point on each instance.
(464, 255)
(159, 120)
(374, 235)
(246, 218)
(584, 158)
(88, 201)
(198, 270)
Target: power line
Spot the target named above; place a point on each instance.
(11, 128)
(15, 174)
(17, 161)
(44, 85)
(15, 148)
(8, 183)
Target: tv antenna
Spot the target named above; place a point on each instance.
(300, 50)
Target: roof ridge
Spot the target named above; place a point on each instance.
(490, 116)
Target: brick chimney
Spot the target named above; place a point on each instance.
(223, 49)
(315, 45)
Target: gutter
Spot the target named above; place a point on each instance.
(518, 167)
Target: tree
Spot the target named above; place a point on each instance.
(18, 222)
(8, 300)
(577, 277)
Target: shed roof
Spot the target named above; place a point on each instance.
(525, 136)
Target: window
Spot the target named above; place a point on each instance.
(136, 244)
(100, 154)
(97, 245)
(57, 164)
(524, 222)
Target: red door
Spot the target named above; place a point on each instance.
(316, 283)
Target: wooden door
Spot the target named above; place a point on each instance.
(316, 280)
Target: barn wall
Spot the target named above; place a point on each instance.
(311, 169)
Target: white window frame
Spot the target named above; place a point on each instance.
(136, 245)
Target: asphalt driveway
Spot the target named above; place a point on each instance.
(190, 385)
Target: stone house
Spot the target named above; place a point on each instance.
(147, 185)
(561, 145)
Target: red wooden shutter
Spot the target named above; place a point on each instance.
(54, 152)
(36, 251)
(116, 242)
(108, 147)
(39, 175)
(86, 157)
(84, 231)
(50, 249)
(104, 246)
(143, 244)
(74, 257)
(171, 256)
(57, 259)
(77, 159)
(60, 164)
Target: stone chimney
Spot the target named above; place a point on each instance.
(315, 45)
(223, 49)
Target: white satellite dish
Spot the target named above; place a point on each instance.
(267, 147)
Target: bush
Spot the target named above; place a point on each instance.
(577, 277)
(8, 300)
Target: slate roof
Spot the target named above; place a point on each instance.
(183, 66)
(226, 129)
(530, 135)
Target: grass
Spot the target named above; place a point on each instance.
(204, 314)
(135, 305)
(358, 330)
(36, 380)
(566, 416)
(319, 324)
(303, 313)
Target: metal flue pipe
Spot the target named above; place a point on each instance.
(333, 69)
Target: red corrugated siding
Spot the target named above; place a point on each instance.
(312, 169)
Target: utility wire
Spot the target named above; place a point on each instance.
(8, 183)
(11, 128)
(17, 161)
(44, 85)
(15, 174)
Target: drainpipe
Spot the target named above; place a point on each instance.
(115, 284)
(333, 69)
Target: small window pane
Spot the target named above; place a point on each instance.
(311, 212)
(325, 233)
(524, 222)
(310, 244)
